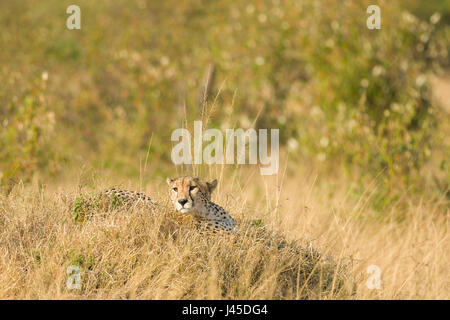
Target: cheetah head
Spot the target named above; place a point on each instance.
(190, 194)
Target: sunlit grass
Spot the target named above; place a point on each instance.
(155, 254)
(364, 164)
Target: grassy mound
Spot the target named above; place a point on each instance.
(142, 253)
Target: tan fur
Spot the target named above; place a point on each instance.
(193, 195)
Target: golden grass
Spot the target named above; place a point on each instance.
(152, 254)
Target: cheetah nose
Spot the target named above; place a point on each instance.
(182, 201)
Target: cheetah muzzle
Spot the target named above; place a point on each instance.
(193, 195)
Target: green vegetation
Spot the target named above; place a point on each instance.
(343, 96)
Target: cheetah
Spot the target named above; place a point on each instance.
(127, 197)
(193, 195)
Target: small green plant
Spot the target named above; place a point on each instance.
(81, 260)
(83, 208)
(116, 202)
(257, 223)
(37, 256)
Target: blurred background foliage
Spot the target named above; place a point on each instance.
(344, 97)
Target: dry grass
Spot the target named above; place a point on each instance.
(306, 233)
(152, 254)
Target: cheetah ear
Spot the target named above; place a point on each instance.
(169, 181)
(211, 185)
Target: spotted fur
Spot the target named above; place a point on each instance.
(193, 195)
(128, 197)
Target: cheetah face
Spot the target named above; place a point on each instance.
(189, 194)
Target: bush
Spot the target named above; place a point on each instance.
(24, 138)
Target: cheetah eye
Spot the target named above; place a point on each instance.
(192, 188)
(175, 189)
